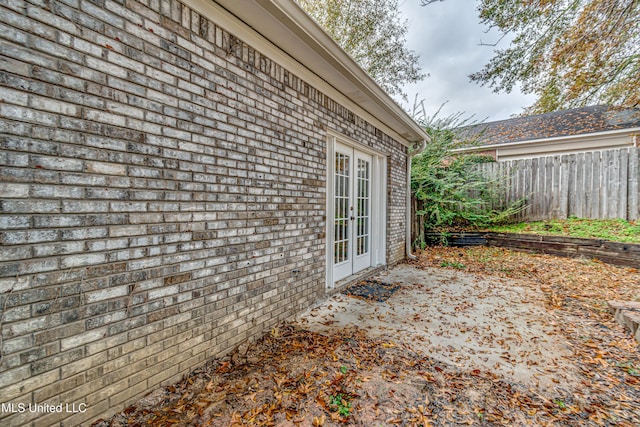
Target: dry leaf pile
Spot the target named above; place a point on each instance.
(293, 377)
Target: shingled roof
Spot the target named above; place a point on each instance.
(578, 121)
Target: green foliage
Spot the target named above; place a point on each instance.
(342, 404)
(449, 191)
(373, 33)
(569, 53)
(617, 230)
(629, 368)
(560, 404)
(456, 265)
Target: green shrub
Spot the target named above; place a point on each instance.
(449, 192)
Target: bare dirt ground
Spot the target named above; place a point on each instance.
(481, 336)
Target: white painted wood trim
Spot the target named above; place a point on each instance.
(378, 203)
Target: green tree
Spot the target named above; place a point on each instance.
(570, 53)
(448, 190)
(373, 33)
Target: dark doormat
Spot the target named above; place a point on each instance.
(371, 290)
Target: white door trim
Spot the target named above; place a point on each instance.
(378, 202)
(361, 210)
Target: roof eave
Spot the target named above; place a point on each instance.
(287, 26)
(567, 138)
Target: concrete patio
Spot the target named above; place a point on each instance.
(470, 322)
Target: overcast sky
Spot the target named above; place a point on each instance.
(447, 35)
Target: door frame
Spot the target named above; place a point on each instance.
(378, 203)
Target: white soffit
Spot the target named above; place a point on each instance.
(283, 31)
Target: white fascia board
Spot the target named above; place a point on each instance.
(363, 88)
(281, 30)
(550, 141)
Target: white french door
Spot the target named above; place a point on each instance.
(352, 209)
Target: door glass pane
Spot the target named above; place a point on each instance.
(341, 203)
(362, 207)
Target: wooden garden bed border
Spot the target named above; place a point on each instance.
(623, 254)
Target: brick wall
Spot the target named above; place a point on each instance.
(159, 181)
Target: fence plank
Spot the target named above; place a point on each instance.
(528, 185)
(523, 186)
(612, 173)
(612, 187)
(633, 190)
(572, 175)
(596, 176)
(555, 188)
(535, 188)
(623, 183)
(548, 187)
(579, 186)
(588, 184)
(605, 187)
(563, 208)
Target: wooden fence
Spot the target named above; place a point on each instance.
(597, 185)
